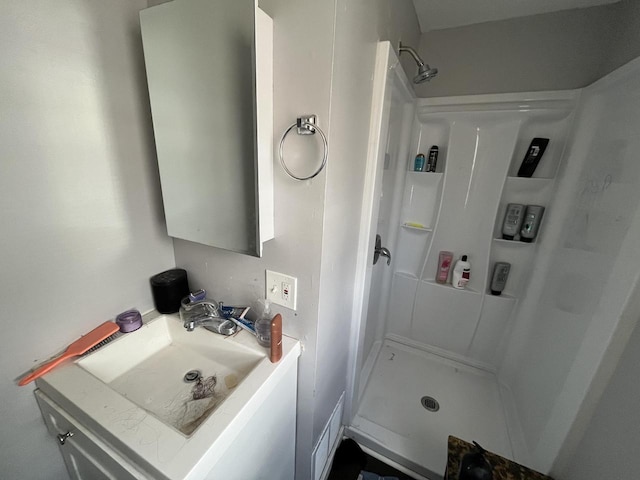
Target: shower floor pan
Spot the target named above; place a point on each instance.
(393, 420)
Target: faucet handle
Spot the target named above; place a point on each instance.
(220, 325)
(198, 295)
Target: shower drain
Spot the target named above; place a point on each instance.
(430, 403)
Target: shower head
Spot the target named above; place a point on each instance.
(425, 72)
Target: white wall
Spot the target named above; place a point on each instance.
(553, 51)
(581, 297)
(302, 85)
(359, 26)
(81, 207)
(329, 73)
(609, 448)
(624, 36)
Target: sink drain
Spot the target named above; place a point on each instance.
(430, 403)
(192, 376)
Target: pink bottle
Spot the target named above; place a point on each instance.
(444, 265)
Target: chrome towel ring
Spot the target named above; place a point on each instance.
(306, 126)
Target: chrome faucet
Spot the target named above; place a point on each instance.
(205, 313)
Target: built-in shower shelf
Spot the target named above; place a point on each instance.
(425, 176)
(529, 181)
(503, 296)
(512, 243)
(407, 275)
(526, 191)
(450, 287)
(414, 227)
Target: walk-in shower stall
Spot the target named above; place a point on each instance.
(515, 372)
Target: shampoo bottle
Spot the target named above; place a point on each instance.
(499, 278)
(432, 161)
(531, 224)
(444, 265)
(512, 221)
(461, 273)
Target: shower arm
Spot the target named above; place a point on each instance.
(413, 53)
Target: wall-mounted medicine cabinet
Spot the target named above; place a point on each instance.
(210, 74)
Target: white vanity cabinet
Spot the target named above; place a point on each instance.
(85, 455)
(104, 432)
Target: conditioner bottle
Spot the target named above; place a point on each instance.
(461, 273)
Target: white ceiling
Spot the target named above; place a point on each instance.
(437, 14)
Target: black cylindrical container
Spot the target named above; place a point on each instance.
(475, 466)
(168, 289)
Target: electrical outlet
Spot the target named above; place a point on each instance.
(281, 289)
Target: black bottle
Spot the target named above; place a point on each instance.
(533, 156)
(474, 465)
(432, 161)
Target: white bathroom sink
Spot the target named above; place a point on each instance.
(148, 367)
(131, 393)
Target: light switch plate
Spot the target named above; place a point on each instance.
(281, 289)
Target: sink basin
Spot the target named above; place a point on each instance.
(149, 366)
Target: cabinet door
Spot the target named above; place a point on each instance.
(212, 118)
(85, 455)
(90, 463)
(265, 447)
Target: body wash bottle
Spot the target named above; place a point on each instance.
(444, 265)
(499, 278)
(531, 224)
(461, 273)
(512, 221)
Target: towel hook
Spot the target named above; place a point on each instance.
(306, 125)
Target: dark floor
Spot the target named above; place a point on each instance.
(376, 466)
(350, 459)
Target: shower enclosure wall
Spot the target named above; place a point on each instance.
(513, 371)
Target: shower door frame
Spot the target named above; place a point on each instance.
(388, 76)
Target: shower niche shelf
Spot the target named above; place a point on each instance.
(507, 297)
(529, 183)
(425, 178)
(501, 242)
(434, 130)
(416, 228)
(551, 124)
(412, 245)
(421, 197)
(521, 260)
(536, 190)
(406, 275)
(449, 286)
